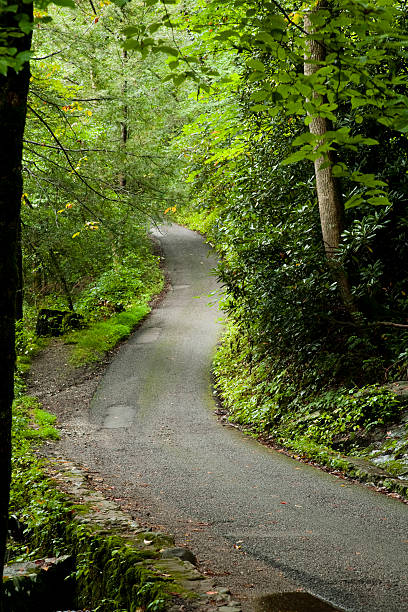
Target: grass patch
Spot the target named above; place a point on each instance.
(92, 343)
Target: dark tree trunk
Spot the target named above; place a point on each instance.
(13, 107)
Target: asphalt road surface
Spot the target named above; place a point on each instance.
(157, 432)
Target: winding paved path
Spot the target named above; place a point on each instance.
(156, 434)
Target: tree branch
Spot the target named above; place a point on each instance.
(74, 170)
(390, 324)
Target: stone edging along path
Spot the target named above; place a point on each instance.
(125, 565)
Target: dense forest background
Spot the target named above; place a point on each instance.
(279, 131)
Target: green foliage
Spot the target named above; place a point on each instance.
(135, 279)
(34, 502)
(31, 422)
(289, 405)
(27, 345)
(126, 290)
(200, 221)
(98, 168)
(356, 75)
(344, 411)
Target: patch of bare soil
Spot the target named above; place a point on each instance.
(62, 389)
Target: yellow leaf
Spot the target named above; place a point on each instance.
(76, 234)
(60, 211)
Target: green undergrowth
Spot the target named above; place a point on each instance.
(198, 220)
(27, 344)
(38, 512)
(284, 405)
(92, 342)
(113, 306)
(108, 308)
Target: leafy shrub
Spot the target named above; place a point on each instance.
(116, 289)
(271, 396)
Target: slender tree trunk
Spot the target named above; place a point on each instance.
(13, 107)
(62, 279)
(330, 204)
(124, 124)
(20, 287)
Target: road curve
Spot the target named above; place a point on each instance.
(155, 431)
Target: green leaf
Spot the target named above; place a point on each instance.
(259, 96)
(66, 3)
(130, 31)
(179, 79)
(401, 122)
(225, 34)
(3, 67)
(379, 201)
(166, 49)
(259, 108)
(256, 65)
(307, 137)
(355, 200)
(131, 44)
(24, 56)
(266, 38)
(154, 27)
(293, 158)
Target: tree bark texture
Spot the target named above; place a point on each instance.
(13, 108)
(330, 207)
(330, 204)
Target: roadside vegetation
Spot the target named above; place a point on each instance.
(280, 132)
